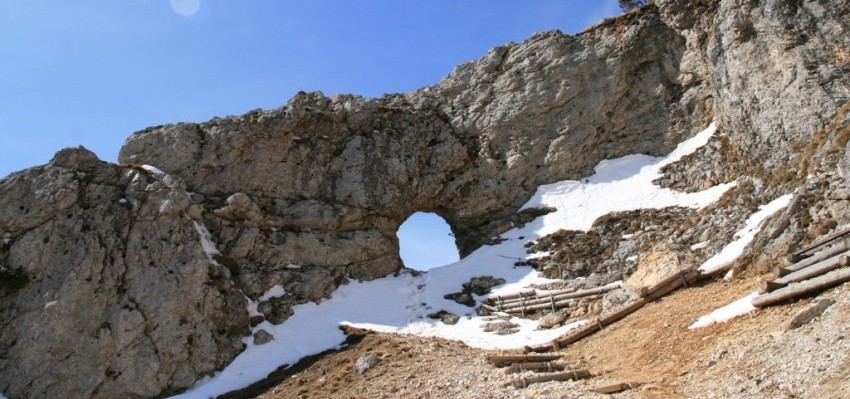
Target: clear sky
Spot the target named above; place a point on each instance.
(91, 72)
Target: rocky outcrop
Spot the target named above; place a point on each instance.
(120, 299)
(118, 281)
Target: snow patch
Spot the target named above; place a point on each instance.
(205, 239)
(743, 237)
(537, 255)
(737, 308)
(274, 292)
(154, 170)
(699, 246)
(622, 184)
(292, 266)
(50, 304)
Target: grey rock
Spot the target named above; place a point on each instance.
(119, 301)
(551, 320)
(463, 298)
(365, 363)
(501, 327)
(615, 299)
(482, 285)
(262, 337)
(276, 310)
(445, 316)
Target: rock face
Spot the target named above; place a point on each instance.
(121, 300)
(116, 282)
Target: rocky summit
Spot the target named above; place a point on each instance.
(130, 280)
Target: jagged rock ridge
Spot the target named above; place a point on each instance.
(312, 193)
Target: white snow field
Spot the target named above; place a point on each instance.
(400, 303)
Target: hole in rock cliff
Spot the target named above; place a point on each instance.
(425, 241)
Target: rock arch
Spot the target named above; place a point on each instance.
(426, 241)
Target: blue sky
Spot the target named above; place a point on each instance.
(90, 72)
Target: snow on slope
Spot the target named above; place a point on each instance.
(400, 303)
(621, 184)
(737, 308)
(734, 249)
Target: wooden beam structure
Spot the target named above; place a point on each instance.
(563, 376)
(546, 367)
(523, 357)
(814, 270)
(817, 284)
(823, 241)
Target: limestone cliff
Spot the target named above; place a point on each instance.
(112, 288)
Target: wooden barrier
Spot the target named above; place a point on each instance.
(832, 237)
(817, 284)
(664, 287)
(537, 366)
(520, 294)
(543, 304)
(589, 328)
(814, 270)
(556, 295)
(823, 254)
(685, 278)
(615, 388)
(667, 280)
(507, 359)
(564, 376)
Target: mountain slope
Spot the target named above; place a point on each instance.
(162, 268)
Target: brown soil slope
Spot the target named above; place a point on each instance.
(750, 356)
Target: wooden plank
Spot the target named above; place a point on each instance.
(823, 254)
(667, 280)
(564, 376)
(804, 274)
(615, 388)
(489, 308)
(507, 359)
(822, 241)
(815, 270)
(546, 304)
(768, 286)
(817, 284)
(538, 367)
(515, 295)
(687, 277)
(781, 272)
(545, 298)
(573, 336)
